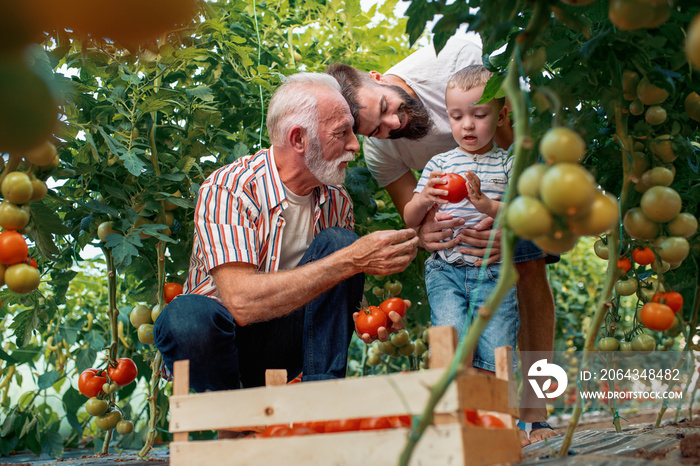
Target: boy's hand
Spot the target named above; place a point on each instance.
(431, 192)
(481, 202)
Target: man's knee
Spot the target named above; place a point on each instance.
(328, 241)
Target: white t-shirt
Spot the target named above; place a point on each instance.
(427, 74)
(298, 230)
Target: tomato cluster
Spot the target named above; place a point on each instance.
(559, 201)
(142, 319)
(372, 318)
(400, 344)
(98, 384)
(17, 270)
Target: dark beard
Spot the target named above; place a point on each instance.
(419, 122)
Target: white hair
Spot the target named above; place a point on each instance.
(295, 103)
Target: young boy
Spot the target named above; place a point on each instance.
(456, 289)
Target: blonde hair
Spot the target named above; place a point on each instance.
(470, 77)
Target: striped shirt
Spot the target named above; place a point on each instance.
(238, 218)
(493, 169)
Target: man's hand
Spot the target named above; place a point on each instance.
(395, 324)
(479, 240)
(384, 252)
(437, 228)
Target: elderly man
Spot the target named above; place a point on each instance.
(403, 113)
(276, 270)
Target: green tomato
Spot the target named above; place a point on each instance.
(140, 315)
(393, 287)
(108, 421)
(684, 225)
(400, 338)
(608, 344)
(125, 427)
(601, 249)
(421, 347)
(96, 407)
(626, 346)
(644, 343)
(626, 287)
(407, 349)
(145, 333)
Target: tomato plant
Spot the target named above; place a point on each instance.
(394, 304)
(643, 255)
(657, 316)
(171, 291)
(13, 248)
(91, 381)
(456, 187)
(124, 373)
(370, 320)
(672, 299)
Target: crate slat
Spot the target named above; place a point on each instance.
(439, 446)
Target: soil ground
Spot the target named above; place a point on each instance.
(595, 443)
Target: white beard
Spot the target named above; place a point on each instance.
(326, 172)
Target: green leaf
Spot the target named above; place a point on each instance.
(132, 161)
(24, 324)
(124, 248)
(73, 400)
(47, 379)
(201, 92)
(95, 340)
(85, 358)
(52, 444)
(6, 357)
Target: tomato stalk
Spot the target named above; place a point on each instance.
(158, 358)
(611, 276)
(522, 148)
(113, 314)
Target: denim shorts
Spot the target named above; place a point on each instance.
(456, 292)
(526, 251)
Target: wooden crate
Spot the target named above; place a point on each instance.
(447, 442)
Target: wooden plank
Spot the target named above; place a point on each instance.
(484, 392)
(181, 387)
(491, 446)
(438, 446)
(504, 371)
(403, 393)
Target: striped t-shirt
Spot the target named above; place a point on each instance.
(493, 169)
(238, 218)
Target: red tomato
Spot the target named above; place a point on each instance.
(624, 264)
(342, 425)
(171, 290)
(400, 421)
(494, 422)
(394, 304)
(370, 320)
(13, 248)
(124, 373)
(657, 316)
(91, 381)
(672, 299)
(299, 430)
(32, 262)
(473, 418)
(276, 430)
(643, 256)
(375, 423)
(456, 187)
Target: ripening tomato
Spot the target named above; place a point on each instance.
(394, 304)
(528, 217)
(342, 425)
(661, 204)
(568, 189)
(13, 248)
(644, 343)
(108, 420)
(692, 43)
(171, 291)
(124, 373)
(643, 255)
(650, 94)
(96, 407)
(638, 226)
(624, 264)
(604, 214)
(684, 225)
(530, 178)
(91, 381)
(600, 248)
(17, 187)
(626, 286)
(370, 320)
(456, 188)
(672, 299)
(125, 427)
(608, 344)
(657, 316)
(22, 278)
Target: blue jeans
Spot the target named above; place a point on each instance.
(456, 292)
(313, 339)
(527, 250)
